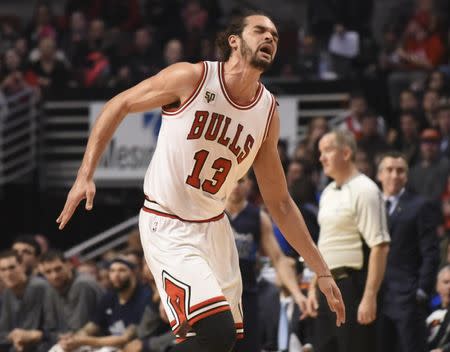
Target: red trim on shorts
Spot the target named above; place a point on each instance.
(172, 216)
(208, 313)
(206, 303)
(194, 94)
(269, 118)
(225, 92)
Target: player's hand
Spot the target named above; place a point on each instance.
(83, 188)
(333, 296)
(367, 310)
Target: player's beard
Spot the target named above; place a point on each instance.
(254, 60)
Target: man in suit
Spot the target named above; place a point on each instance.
(412, 261)
(281, 325)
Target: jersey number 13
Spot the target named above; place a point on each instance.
(222, 166)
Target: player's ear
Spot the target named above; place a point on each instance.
(233, 41)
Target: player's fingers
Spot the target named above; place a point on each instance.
(339, 306)
(68, 211)
(90, 199)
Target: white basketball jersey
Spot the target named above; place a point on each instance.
(205, 146)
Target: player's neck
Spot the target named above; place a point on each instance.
(241, 80)
(234, 208)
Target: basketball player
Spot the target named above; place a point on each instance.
(218, 120)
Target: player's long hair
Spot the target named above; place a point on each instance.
(236, 26)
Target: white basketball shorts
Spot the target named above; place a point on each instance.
(195, 266)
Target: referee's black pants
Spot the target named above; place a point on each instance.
(351, 336)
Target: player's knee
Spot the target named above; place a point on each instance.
(218, 332)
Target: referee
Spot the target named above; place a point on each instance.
(354, 242)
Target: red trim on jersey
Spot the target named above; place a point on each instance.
(207, 302)
(269, 118)
(239, 335)
(172, 216)
(225, 92)
(188, 101)
(208, 313)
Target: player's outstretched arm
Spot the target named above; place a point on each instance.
(285, 213)
(171, 85)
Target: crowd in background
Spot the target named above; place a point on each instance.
(118, 43)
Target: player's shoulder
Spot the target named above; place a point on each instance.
(185, 70)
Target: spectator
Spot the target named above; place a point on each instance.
(120, 15)
(11, 77)
(154, 332)
(75, 43)
(436, 82)
(438, 322)
(408, 101)
(117, 315)
(103, 275)
(22, 316)
(42, 24)
(308, 59)
(29, 251)
(97, 62)
(387, 57)
(145, 57)
(294, 172)
(90, 8)
(412, 261)
(406, 140)
(73, 296)
(443, 121)
(173, 52)
(353, 119)
(253, 234)
(317, 127)
(371, 141)
(365, 164)
(48, 72)
(430, 105)
(43, 242)
(88, 267)
(21, 47)
(280, 324)
(164, 15)
(8, 34)
(344, 48)
(419, 51)
(195, 19)
(429, 176)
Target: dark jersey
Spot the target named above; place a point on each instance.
(114, 317)
(247, 232)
